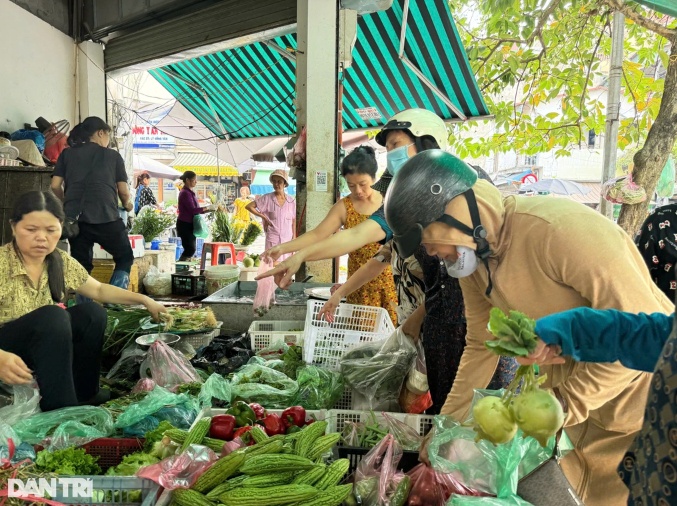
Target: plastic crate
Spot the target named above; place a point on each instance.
(325, 343)
(114, 490)
(111, 450)
(201, 339)
(264, 333)
(354, 455)
(187, 284)
(337, 419)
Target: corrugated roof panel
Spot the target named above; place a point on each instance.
(251, 88)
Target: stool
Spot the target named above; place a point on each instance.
(214, 248)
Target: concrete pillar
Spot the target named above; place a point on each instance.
(316, 109)
(90, 82)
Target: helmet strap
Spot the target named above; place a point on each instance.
(478, 232)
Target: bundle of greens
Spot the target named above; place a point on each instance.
(224, 228)
(537, 413)
(188, 320)
(251, 233)
(70, 462)
(151, 222)
(124, 325)
(132, 463)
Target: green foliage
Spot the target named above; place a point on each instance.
(526, 53)
(71, 462)
(151, 222)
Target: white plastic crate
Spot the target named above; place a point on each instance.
(264, 333)
(337, 419)
(197, 341)
(324, 343)
(113, 490)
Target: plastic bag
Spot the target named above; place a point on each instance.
(296, 158)
(144, 385)
(375, 474)
(200, 227)
(407, 437)
(623, 190)
(25, 403)
(156, 400)
(265, 291)
(266, 386)
(73, 426)
(21, 452)
(431, 488)
(460, 500)
(180, 471)
(223, 355)
(377, 369)
(170, 368)
(157, 283)
(127, 366)
(481, 465)
(216, 387)
(366, 6)
(415, 395)
(319, 388)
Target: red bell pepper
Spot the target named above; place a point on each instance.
(296, 415)
(258, 410)
(222, 427)
(273, 425)
(242, 434)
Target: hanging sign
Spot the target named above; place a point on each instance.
(369, 113)
(147, 136)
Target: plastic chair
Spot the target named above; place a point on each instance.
(214, 249)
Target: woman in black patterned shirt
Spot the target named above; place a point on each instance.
(144, 195)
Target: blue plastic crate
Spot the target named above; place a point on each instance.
(199, 243)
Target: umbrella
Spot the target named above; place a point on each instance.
(558, 186)
(153, 167)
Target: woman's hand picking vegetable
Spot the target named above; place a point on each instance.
(154, 308)
(544, 354)
(284, 271)
(13, 370)
(271, 255)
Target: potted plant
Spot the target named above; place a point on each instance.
(151, 222)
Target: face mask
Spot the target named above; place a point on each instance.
(396, 158)
(466, 264)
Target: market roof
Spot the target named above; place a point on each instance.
(251, 88)
(203, 164)
(668, 7)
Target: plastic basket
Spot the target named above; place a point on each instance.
(324, 343)
(187, 284)
(113, 490)
(201, 339)
(337, 419)
(264, 333)
(111, 450)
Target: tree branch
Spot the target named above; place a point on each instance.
(593, 58)
(641, 20)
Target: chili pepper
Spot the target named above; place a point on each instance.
(296, 415)
(293, 428)
(222, 427)
(244, 415)
(273, 424)
(258, 410)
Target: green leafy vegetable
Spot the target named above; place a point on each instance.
(131, 464)
(71, 462)
(515, 333)
(155, 435)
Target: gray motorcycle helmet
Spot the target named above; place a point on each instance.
(420, 192)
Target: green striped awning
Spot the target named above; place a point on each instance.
(250, 89)
(668, 7)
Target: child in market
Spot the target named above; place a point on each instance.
(646, 342)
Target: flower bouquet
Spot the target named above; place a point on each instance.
(151, 222)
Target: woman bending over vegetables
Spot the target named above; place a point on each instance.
(538, 256)
(60, 347)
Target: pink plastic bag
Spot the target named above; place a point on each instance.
(407, 437)
(180, 471)
(296, 158)
(376, 477)
(169, 368)
(432, 488)
(265, 291)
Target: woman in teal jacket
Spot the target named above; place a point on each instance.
(646, 342)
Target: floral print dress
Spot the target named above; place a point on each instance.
(379, 292)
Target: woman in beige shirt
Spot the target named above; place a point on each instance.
(39, 340)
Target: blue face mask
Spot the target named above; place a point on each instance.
(396, 158)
